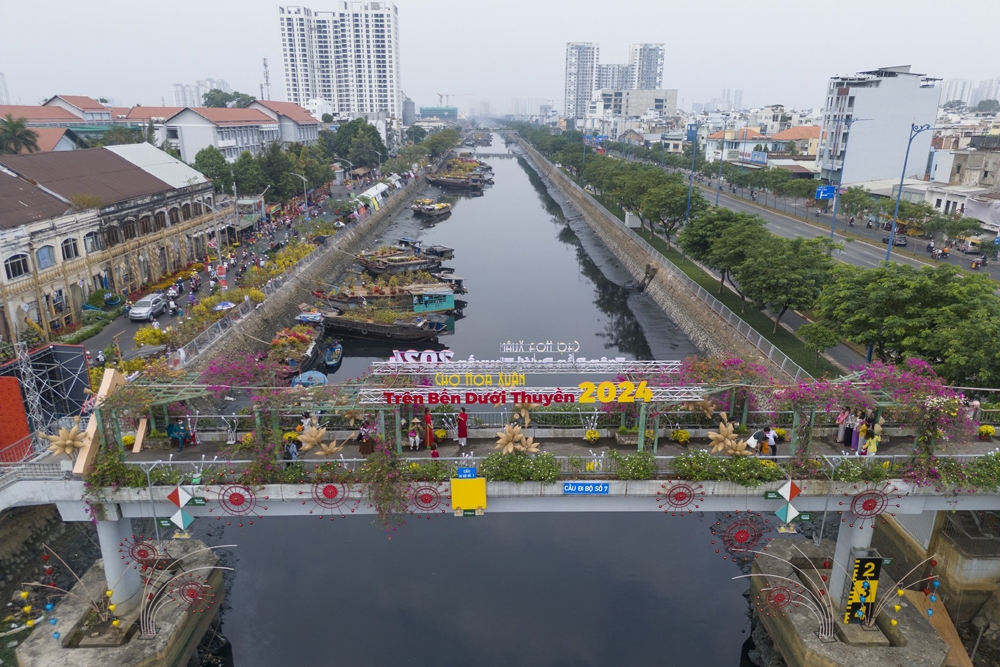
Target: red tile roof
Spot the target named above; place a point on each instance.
(221, 116)
(798, 132)
(47, 139)
(118, 112)
(290, 109)
(37, 114)
(742, 133)
(81, 102)
(145, 113)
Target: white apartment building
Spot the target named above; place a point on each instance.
(581, 77)
(633, 103)
(614, 77)
(646, 66)
(348, 56)
(890, 100)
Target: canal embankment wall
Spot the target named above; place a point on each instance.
(253, 333)
(711, 333)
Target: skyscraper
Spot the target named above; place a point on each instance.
(646, 63)
(349, 56)
(581, 77)
(614, 77)
(956, 89)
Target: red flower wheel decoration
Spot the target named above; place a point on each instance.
(678, 497)
(427, 500)
(869, 504)
(138, 551)
(191, 591)
(330, 495)
(237, 500)
(779, 597)
(741, 533)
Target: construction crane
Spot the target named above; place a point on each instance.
(444, 98)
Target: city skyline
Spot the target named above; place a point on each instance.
(433, 31)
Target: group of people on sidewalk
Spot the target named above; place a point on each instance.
(462, 427)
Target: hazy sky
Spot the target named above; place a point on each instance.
(776, 51)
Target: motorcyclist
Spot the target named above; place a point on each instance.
(172, 305)
(100, 357)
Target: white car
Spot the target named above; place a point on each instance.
(147, 307)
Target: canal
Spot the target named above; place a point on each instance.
(501, 589)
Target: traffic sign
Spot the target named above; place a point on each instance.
(805, 516)
(826, 192)
(772, 495)
(466, 473)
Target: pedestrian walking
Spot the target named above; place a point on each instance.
(842, 424)
(463, 428)
(772, 441)
(155, 324)
(414, 434)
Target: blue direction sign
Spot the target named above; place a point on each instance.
(826, 191)
(586, 488)
(466, 473)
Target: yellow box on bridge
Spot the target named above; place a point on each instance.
(468, 496)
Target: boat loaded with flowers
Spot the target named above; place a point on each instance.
(295, 348)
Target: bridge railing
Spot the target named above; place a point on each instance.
(45, 469)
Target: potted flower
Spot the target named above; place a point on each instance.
(680, 436)
(986, 431)
(592, 435)
(440, 434)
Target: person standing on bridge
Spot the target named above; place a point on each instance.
(428, 428)
(463, 428)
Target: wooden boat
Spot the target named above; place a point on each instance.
(303, 361)
(334, 356)
(432, 210)
(408, 330)
(442, 251)
(457, 182)
(394, 264)
(418, 203)
(457, 282)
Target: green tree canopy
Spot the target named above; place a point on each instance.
(218, 98)
(818, 337)
(15, 136)
(415, 133)
(212, 164)
(855, 200)
(249, 176)
(326, 118)
(363, 152)
(784, 273)
(666, 205)
(441, 141)
(988, 106)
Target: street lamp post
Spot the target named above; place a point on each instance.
(840, 181)
(694, 152)
(914, 131)
(722, 154)
(305, 195)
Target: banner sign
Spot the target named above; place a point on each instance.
(586, 488)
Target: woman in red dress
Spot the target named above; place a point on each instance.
(463, 427)
(429, 427)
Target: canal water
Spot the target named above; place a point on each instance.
(500, 589)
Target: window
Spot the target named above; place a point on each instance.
(937, 204)
(45, 257)
(92, 242)
(186, 211)
(128, 230)
(986, 173)
(69, 249)
(16, 266)
(145, 225)
(958, 169)
(197, 208)
(161, 221)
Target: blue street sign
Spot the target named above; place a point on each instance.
(826, 192)
(586, 488)
(466, 473)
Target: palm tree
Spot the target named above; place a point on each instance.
(15, 135)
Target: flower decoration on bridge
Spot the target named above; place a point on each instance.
(311, 437)
(706, 407)
(528, 446)
(524, 410)
(67, 441)
(352, 416)
(592, 435)
(725, 441)
(329, 449)
(509, 438)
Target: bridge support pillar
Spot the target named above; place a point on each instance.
(642, 426)
(121, 577)
(858, 537)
